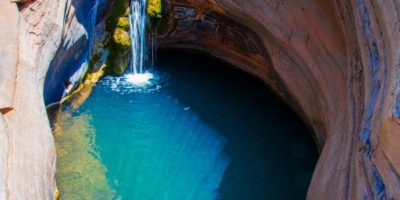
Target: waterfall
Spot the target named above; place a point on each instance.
(137, 20)
(137, 31)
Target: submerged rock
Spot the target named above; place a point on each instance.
(83, 173)
(335, 62)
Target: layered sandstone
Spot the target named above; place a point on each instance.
(28, 159)
(31, 34)
(335, 62)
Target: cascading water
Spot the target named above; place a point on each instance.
(203, 135)
(137, 21)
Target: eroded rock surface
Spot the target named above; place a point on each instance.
(30, 158)
(335, 62)
(31, 33)
(8, 53)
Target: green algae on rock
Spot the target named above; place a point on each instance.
(118, 26)
(123, 22)
(154, 9)
(80, 173)
(121, 38)
(119, 42)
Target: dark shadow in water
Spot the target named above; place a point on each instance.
(272, 153)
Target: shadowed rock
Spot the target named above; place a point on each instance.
(336, 63)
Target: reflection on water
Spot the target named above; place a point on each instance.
(80, 173)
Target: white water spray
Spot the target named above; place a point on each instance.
(137, 20)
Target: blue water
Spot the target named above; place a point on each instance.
(203, 131)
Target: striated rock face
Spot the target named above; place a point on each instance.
(31, 35)
(335, 62)
(27, 156)
(29, 160)
(8, 53)
(71, 60)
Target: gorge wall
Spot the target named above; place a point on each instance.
(336, 63)
(33, 37)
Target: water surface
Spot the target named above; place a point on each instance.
(203, 131)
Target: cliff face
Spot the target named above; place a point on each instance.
(335, 62)
(28, 155)
(31, 35)
(71, 59)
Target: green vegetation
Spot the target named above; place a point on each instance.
(154, 9)
(119, 8)
(119, 42)
(123, 22)
(121, 37)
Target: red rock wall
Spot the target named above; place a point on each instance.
(30, 35)
(335, 62)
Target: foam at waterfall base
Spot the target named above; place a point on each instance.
(133, 83)
(139, 80)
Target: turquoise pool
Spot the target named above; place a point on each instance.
(203, 130)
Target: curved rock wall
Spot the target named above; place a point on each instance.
(335, 62)
(27, 170)
(32, 34)
(30, 161)
(72, 58)
(72, 55)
